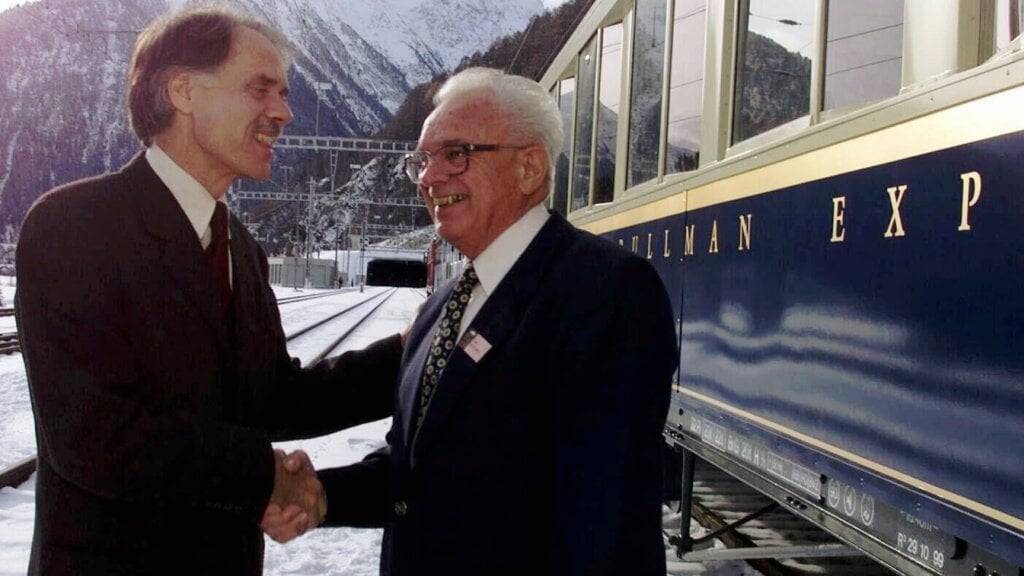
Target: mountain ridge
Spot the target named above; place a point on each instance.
(62, 100)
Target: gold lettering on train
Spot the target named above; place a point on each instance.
(636, 244)
(895, 227)
(667, 249)
(745, 222)
(713, 248)
(971, 195)
(649, 242)
(838, 214)
(688, 245)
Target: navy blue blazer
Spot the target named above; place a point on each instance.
(543, 457)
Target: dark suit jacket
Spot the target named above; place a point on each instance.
(153, 417)
(544, 457)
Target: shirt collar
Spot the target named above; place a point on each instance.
(497, 259)
(193, 198)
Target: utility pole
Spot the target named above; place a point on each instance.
(321, 88)
(337, 243)
(287, 170)
(348, 232)
(337, 228)
(295, 236)
(362, 255)
(309, 225)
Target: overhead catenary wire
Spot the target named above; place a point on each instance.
(522, 43)
(565, 34)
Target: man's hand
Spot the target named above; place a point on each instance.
(298, 502)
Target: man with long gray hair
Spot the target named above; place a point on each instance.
(153, 346)
(534, 389)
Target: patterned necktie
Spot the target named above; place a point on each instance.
(445, 338)
(217, 255)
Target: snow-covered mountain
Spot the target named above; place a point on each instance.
(424, 38)
(63, 65)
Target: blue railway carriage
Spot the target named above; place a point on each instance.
(833, 194)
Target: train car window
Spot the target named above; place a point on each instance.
(586, 83)
(1009, 20)
(550, 201)
(609, 97)
(566, 96)
(686, 89)
(645, 100)
(863, 51)
(776, 42)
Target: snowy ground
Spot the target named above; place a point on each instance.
(7, 290)
(17, 434)
(289, 291)
(341, 551)
(323, 552)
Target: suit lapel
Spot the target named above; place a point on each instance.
(496, 322)
(182, 254)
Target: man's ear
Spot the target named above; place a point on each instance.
(179, 90)
(533, 169)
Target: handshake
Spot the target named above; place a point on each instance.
(298, 502)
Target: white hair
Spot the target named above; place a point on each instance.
(529, 109)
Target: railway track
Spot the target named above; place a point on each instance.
(341, 338)
(304, 297)
(770, 538)
(289, 337)
(376, 300)
(20, 472)
(9, 343)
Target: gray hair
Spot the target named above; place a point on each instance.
(529, 109)
(196, 39)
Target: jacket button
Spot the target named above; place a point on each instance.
(401, 508)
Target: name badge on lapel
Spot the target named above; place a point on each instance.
(474, 345)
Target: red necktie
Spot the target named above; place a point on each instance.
(217, 255)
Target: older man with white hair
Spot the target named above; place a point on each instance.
(533, 390)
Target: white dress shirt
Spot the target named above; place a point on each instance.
(497, 259)
(193, 198)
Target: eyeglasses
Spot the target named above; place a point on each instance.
(451, 160)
